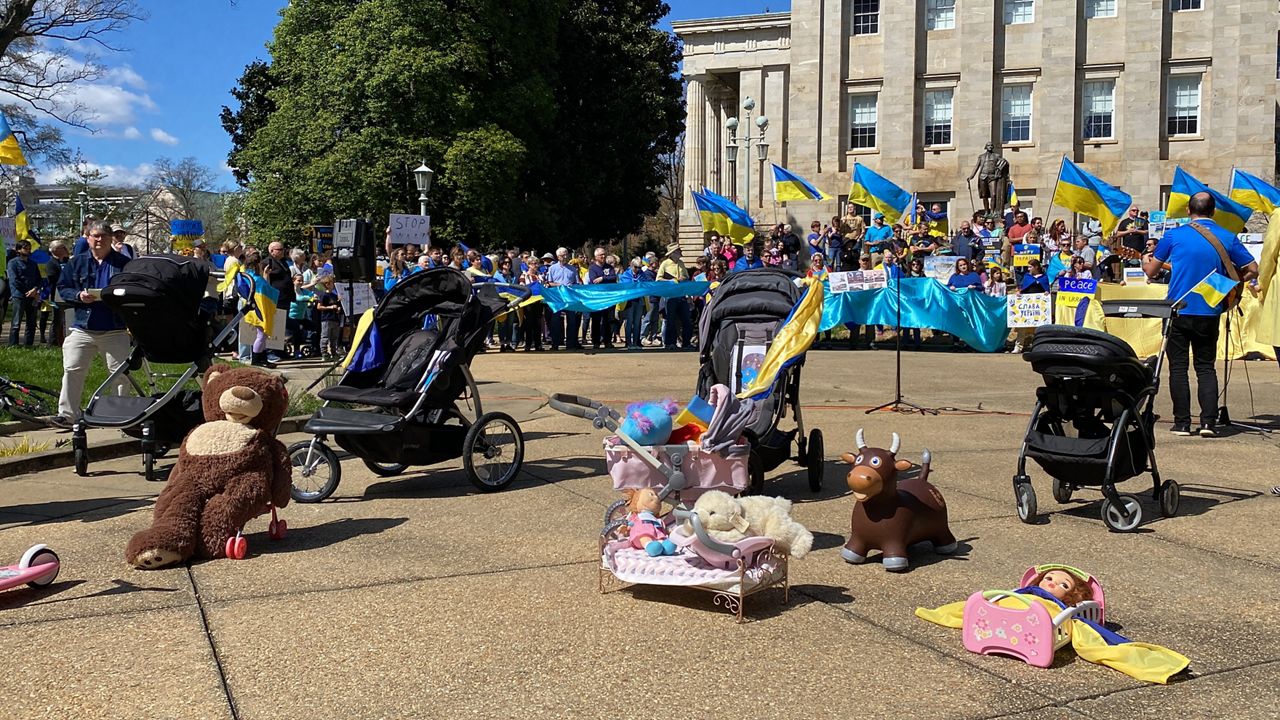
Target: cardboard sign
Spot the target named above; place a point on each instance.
(407, 229)
(842, 282)
(940, 267)
(1023, 254)
(1029, 310)
(1135, 276)
(8, 231)
(361, 294)
(279, 331)
(321, 237)
(1078, 286)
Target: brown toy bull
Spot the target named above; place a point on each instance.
(892, 514)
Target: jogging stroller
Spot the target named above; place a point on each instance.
(736, 329)
(161, 299)
(1093, 422)
(411, 369)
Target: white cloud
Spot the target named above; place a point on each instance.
(115, 99)
(132, 133)
(116, 175)
(125, 76)
(161, 136)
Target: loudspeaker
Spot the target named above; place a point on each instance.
(353, 251)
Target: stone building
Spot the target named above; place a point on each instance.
(914, 88)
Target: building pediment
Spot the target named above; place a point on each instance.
(739, 34)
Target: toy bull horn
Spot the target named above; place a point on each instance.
(893, 447)
(861, 441)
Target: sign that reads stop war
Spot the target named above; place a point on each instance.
(407, 229)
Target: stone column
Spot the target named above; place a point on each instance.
(695, 150)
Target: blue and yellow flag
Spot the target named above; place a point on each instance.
(1214, 288)
(10, 150)
(1013, 195)
(869, 189)
(1228, 213)
(697, 412)
(790, 186)
(366, 351)
(790, 344)
(937, 222)
(1081, 192)
(260, 299)
(1254, 192)
(719, 213)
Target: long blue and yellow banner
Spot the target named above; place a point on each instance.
(590, 298)
(976, 318)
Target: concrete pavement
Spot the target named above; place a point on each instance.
(419, 597)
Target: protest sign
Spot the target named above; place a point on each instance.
(1077, 286)
(8, 231)
(1029, 310)
(1135, 276)
(279, 330)
(940, 267)
(407, 229)
(857, 280)
(355, 300)
(321, 237)
(1024, 253)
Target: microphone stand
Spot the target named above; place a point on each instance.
(898, 404)
(1224, 416)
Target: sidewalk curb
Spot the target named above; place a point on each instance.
(113, 450)
(13, 427)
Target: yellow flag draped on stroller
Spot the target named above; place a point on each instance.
(795, 338)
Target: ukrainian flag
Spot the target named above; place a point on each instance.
(697, 412)
(22, 225)
(790, 186)
(869, 189)
(10, 151)
(260, 298)
(937, 222)
(1229, 214)
(1214, 288)
(719, 213)
(1081, 192)
(790, 344)
(1254, 192)
(1013, 195)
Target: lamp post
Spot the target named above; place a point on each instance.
(746, 141)
(422, 177)
(82, 197)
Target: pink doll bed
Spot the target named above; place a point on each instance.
(1028, 631)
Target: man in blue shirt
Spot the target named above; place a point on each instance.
(877, 239)
(563, 324)
(1191, 257)
(96, 328)
(600, 272)
(24, 292)
(748, 261)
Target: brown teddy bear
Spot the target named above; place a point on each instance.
(230, 470)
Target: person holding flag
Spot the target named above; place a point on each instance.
(1207, 262)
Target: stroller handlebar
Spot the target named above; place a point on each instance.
(600, 414)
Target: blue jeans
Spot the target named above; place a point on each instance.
(652, 322)
(633, 319)
(24, 308)
(678, 316)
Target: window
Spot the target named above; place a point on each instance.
(1187, 5)
(862, 121)
(1015, 117)
(941, 14)
(1099, 109)
(1100, 8)
(937, 117)
(1184, 105)
(866, 17)
(1017, 12)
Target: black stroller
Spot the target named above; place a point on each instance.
(736, 329)
(414, 393)
(1093, 423)
(161, 299)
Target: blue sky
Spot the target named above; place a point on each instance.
(162, 94)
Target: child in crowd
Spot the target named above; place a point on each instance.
(299, 322)
(775, 256)
(330, 320)
(995, 283)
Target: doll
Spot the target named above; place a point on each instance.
(1063, 585)
(647, 532)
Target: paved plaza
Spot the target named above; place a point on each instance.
(416, 597)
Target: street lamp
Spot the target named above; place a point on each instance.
(422, 177)
(746, 141)
(82, 198)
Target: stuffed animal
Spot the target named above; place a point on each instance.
(230, 470)
(649, 423)
(892, 513)
(647, 531)
(729, 519)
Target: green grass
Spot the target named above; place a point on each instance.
(42, 366)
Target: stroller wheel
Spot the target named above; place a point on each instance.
(1170, 496)
(316, 471)
(1062, 491)
(149, 466)
(815, 459)
(1123, 516)
(82, 461)
(1026, 496)
(385, 469)
(493, 451)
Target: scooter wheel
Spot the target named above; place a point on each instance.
(237, 547)
(277, 529)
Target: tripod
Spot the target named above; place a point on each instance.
(898, 404)
(1224, 416)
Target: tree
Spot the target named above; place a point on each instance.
(177, 190)
(544, 119)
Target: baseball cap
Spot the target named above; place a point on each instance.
(548, 256)
(876, 216)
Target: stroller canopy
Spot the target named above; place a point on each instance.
(756, 295)
(158, 297)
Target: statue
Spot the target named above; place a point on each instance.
(993, 180)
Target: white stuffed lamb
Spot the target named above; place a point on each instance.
(729, 519)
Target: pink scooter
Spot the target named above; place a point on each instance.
(38, 567)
